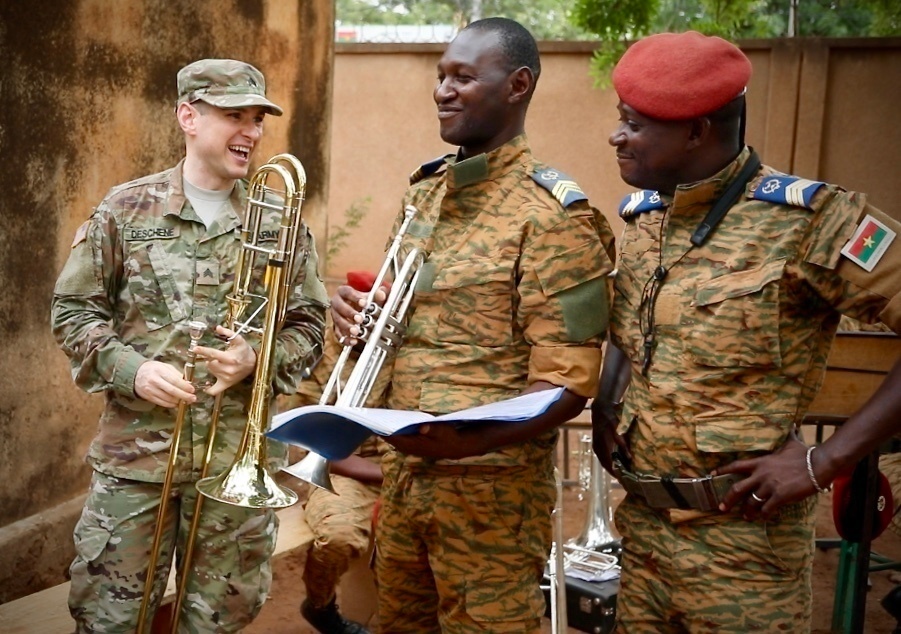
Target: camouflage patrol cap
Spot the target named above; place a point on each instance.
(224, 83)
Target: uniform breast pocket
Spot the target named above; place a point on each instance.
(152, 282)
(734, 319)
(475, 302)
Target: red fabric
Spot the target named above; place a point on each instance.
(363, 280)
(678, 76)
(848, 507)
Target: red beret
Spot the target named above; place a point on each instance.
(677, 76)
(848, 504)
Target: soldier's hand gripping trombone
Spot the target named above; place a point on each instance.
(247, 482)
(382, 332)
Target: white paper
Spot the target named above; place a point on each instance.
(335, 432)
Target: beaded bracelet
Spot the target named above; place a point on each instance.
(813, 478)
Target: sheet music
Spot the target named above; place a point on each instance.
(335, 432)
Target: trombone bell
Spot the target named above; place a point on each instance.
(247, 484)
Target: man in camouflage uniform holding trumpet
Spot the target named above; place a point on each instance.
(512, 299)
(729, 288)
(156, 254)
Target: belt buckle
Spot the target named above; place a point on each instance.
(634, 483)
(653, 491)
(710, 494)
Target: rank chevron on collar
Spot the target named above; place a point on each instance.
(640, 202)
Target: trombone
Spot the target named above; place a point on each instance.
(247, 482)
(195, 332)
(382, 331)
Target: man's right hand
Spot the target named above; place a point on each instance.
(161, 384)
(604, 439)
(346, 306)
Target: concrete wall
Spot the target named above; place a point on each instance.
(823, 109)
(86, 100)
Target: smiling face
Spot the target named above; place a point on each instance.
(478, 93)
(652, 154)
(220, 142)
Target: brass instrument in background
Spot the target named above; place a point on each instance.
(382, 330)
(598, 547)
(591, 555)
(247, 482)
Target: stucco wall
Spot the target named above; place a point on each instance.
(86, 100)
(819, 108)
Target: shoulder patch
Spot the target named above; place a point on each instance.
(868, 244)
(786, 190)
(640, 202)
(81, 234)
(427, 169)
(561, 186)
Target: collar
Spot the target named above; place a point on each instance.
(709, 189)
(176, 203)
(490, 165)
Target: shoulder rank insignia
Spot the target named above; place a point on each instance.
(427, 169)
(563, 188)
(786, 190)
(640, 202)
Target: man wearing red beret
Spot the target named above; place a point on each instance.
(731, 281)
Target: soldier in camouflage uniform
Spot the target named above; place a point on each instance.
(156, 253)
(512, 299)
(724, 321)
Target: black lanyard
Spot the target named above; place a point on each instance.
(703, 231)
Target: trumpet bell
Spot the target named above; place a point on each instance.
(247, 484)
(314, 469)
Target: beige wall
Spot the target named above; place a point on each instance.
(821, 109)
(86, 103)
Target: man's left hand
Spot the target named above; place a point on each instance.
(777, 479)
(438, 441)
(231, 365)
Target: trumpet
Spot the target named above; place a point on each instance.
(382, 330)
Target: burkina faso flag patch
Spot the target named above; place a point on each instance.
(869, 243)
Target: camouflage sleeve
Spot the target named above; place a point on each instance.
(839, 271)
(300, 340)
(564, 305)
(82, 313)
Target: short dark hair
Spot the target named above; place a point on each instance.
(518, 45)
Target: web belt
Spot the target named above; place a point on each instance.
(701, 494)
